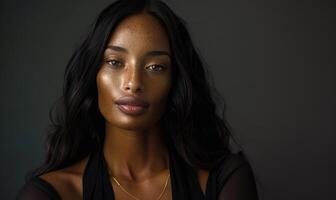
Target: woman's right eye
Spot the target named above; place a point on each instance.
(113, 63)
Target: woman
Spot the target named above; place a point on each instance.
(137, 120)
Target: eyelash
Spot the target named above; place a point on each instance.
(161, 67)
(108, 61)
(156, 65)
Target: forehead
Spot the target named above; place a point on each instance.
(140, 31)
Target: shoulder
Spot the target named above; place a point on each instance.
(230, 163)
(234, 175)
(65, 183)
(37, 189)
(233, 163)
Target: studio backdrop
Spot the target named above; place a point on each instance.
(272, 61)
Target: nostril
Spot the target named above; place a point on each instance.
(134, 88)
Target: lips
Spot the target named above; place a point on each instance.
(131, 105)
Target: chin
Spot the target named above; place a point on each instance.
(132, 124)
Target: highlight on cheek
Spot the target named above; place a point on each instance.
(104, 78)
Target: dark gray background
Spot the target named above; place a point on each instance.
(273, 61)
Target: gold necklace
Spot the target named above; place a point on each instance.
(123, 189)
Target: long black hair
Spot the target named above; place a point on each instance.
(194, 123)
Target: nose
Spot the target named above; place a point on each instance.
(133, 81)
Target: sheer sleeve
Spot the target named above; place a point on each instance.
(37, 189)
(237, 180)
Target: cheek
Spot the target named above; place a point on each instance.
(164, 91)
(107, 86)
(160, 90)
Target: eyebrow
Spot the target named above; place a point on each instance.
(150, 53)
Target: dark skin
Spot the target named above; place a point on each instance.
(137, 62)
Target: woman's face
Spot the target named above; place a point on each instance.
(134, 78)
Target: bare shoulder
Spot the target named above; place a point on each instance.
(67, 181)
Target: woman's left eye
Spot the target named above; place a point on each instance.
(156, 67)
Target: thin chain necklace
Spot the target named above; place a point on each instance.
(123, 189)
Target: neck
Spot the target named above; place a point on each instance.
(135, 155)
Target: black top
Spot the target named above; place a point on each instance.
(231, 179)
